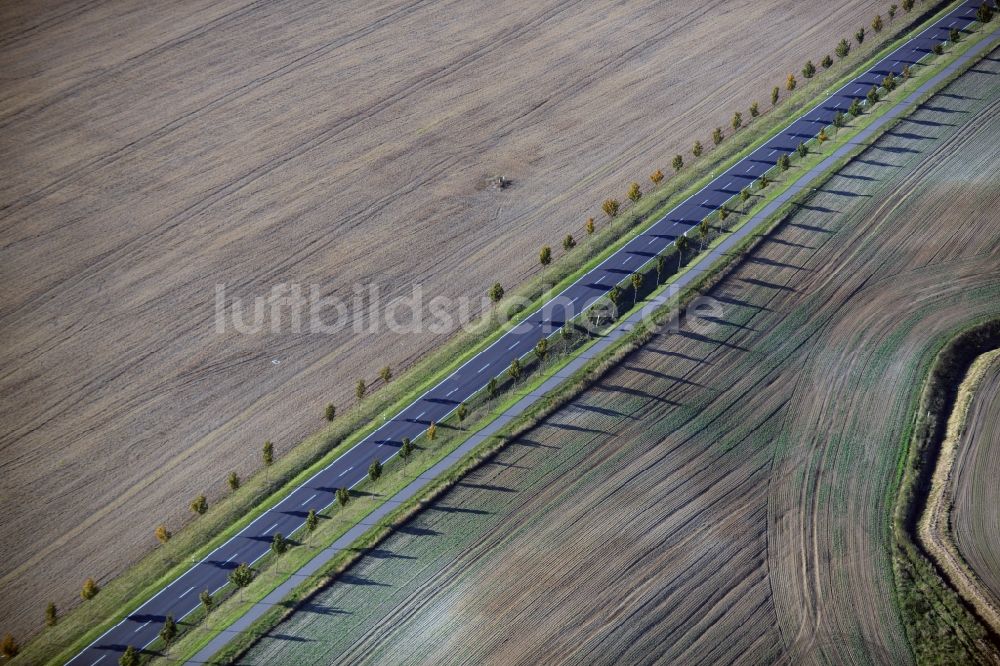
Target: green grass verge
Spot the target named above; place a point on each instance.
(231, 513)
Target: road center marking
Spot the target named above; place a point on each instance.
(483, 368)
(308, 500)
(185, 592)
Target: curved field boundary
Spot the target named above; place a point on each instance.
(920, 580)
(934, 528)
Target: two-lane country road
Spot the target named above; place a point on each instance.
(180, 597)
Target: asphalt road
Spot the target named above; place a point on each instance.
(181, 596)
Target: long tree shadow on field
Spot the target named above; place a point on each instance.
(778, 264)
(767, 285)
(895, 150)
(481, 486)
(598, 410)
(691, 335)
(853, 176)
(719, 321)
(729, 300)
(291, 639)
(911, 136)
(674, 354)
(876, 163)
(508, 465)
(928, 123)
(351, 579)
(939, 109)
(319, 609)
(816, 209)
(382, 554)
(530, 443)
(574, 428)
(612, 388)
(844, 193)
(413, 530)
(809, 227)
(662, 375)
(458, 509)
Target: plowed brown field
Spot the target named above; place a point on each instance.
(154, 150)
(975, 518)
(725, 495)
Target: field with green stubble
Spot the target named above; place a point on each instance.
(726, 494)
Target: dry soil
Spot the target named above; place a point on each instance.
(154, 150)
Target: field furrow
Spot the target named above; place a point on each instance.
(153, 152)
(725, 494)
